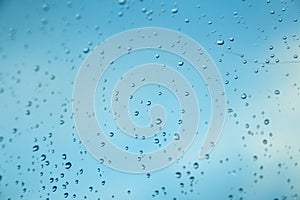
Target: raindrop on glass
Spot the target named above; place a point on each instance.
(266, 121)
(68, 165)
(220, 42)
(244, 96)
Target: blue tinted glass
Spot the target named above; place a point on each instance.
(147, 99)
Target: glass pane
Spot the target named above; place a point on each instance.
(149, 99)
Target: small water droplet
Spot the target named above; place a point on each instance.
(43, 157)
(178, 175)
(277, 92)
(206, 156)
(174, 10)
(266, 121)
(158, 121)
(68, 165)
(86, 50)
(244, 96)
(196, 165)
(136, 113)
(220, 42)
(64, 156)
(255, 158)
(148, 103)
(45, 7)
(176, 136)
(180, 63)
(265, 141)
(121, 2)
(35, 148)
(78, 16)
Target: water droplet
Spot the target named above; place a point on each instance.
(136, 113)
(45, 7)
(277, 92)
(44, 21)
(35, 148)
(220, 42)
(180, 63)
(255, 158)
(196, 165)
(244, 96)
(158, 121)
(66, 195)
(121, 2)
(61, 122)
(86, 50)
(265, 141)
(174, 10)
(64, 156)
(178, 175)
(266, 121)
(176, 136)
(206, 156)
(148, 103)
(43, 157)
(68, 165)
(78, 16)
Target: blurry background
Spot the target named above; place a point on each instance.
(256, 47)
